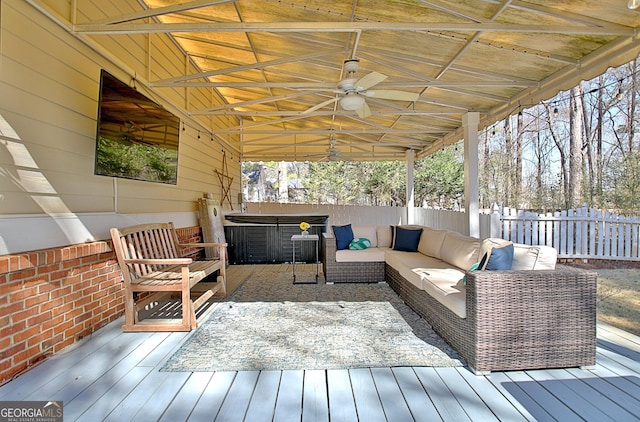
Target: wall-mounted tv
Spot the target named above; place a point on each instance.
(136, 138)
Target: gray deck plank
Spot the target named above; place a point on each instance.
(315, 400)
(163, 351)
(153, 408)
(468, 398)
(518, 397)
(213, 396)
(115, 376)
(494, 398)
(80, 395)
(621, 365)
(236, 404)
(289, 403)
(366, 396)
(59, 365)
(263, 403)
(342, 406)
(446, 403)
(415, 395)
(617, 403)
(619, 337)
(120, 355)
(113, 397)
(393, 403)
(616, 388)
(183, 403)
(544, 400)
(568, 390)
(137, 398)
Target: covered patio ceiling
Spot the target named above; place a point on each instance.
(277, 64)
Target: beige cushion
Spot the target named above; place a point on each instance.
(459, 250)
(431, 242)
(432, 275)
(491, 242)
(547, 258)
(362, 255)
(367, 232)
(384, 236)
(525, 257)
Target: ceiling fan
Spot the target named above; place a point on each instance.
(332, 153)
(352, 92)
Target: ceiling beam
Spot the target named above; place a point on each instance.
(247, 27)
(150, 13)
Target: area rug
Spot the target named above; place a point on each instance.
(310, 327)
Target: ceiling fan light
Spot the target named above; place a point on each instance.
(352, 102)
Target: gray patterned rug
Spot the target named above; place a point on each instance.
(271, 324)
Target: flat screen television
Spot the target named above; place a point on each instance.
(136, 137)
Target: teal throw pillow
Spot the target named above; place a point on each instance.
(359, 243)
(471, 268)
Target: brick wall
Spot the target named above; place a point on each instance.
(51, 298)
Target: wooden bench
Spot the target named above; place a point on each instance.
(153, 267)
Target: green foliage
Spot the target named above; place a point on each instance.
(439, 178)
(136, 161)
(626, 181)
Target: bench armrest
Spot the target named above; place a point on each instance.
(160, 261)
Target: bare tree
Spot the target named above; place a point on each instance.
(575, 146)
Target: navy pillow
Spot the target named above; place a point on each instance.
(406, 239)
(344, 236)
(500, 258)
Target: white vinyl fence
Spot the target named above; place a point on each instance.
(585, 233)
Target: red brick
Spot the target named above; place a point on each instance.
(39, 318)
(12, 329)
(12, 351)
(50, 304)
(36, 300)
(4, 264)
(39, 339)
(22, 274)
(24, 335)
(61, 328)
(27, 354)
(23, 293)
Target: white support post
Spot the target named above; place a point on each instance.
(471, 190)
(410, 154)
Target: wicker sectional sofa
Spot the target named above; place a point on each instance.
(537, 315)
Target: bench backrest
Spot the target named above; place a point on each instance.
(145, 241)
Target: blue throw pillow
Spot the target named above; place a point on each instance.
(500, 258)
(406, 239)
(344, 236)
(359, 243)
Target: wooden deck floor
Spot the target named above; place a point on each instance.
(115, 376)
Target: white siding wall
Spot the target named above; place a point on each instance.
(49, 83)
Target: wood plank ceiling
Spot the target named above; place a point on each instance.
(277, 65)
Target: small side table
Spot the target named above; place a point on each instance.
(310, 238)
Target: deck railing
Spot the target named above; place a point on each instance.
(583, 233)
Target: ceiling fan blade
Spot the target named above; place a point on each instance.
(364, 111)
(392, 95)
(367, 81)
(319, 106)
